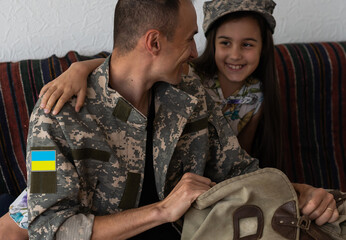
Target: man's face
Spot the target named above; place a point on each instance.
(182, 47)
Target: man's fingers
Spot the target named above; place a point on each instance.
(326, 205)
(193, 182)
(330, 214)
(319, 205)
(212, 184)
(310, 208)
(197, 178)
(335, 216)
(319, 201)
(183, 195)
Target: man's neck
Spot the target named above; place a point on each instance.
(129, 77)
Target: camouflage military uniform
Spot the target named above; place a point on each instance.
(100, 153)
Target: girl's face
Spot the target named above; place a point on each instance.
(238, 46)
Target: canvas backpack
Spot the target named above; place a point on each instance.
(258, 205)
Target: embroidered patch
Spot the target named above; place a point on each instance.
(43, 160)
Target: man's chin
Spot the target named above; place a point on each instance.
(177, 79)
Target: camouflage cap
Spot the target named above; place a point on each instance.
(216, 9)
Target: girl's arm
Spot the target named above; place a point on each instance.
(71, 82)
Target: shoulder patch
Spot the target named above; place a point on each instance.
(43, 160)
(43, 170)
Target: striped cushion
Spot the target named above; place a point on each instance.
(313, 84)
(313, 88)
(20, 84)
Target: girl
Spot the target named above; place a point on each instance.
(238, 70)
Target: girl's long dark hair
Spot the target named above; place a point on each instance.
(267, 144)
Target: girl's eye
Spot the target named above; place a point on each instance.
(225, 43)
(247, 45)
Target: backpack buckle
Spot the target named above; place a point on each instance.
(304, 223)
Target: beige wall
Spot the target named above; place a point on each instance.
(40, 28)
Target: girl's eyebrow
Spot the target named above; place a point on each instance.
(229, 38)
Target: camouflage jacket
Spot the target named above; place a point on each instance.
(95, 158)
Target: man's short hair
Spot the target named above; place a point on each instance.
(133, 18)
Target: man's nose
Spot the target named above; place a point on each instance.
(194, 53)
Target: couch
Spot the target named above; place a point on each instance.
(313, 96)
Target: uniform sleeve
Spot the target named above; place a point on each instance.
(53, 183)
(227, 158)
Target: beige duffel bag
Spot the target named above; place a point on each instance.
(258, 205)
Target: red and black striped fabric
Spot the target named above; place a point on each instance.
(313, 84)
(313, 90)
(20, 84)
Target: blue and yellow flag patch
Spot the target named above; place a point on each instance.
(43, 160)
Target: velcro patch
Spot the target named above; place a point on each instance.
(122, 110)
(129, 197)
(196, 126)
(43, 182)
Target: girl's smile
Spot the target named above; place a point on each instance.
(235, 67)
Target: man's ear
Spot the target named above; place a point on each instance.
(153, 41)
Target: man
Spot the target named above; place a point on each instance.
(137, 135)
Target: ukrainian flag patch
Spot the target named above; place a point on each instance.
(43, 160)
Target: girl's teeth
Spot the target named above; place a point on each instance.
(235, 67)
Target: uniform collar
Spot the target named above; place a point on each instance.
(167, 97)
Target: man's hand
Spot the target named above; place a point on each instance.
(316, 203)
(128, 223)
(183, 195)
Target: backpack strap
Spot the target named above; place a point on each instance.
(310, 231)
(339, 197)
